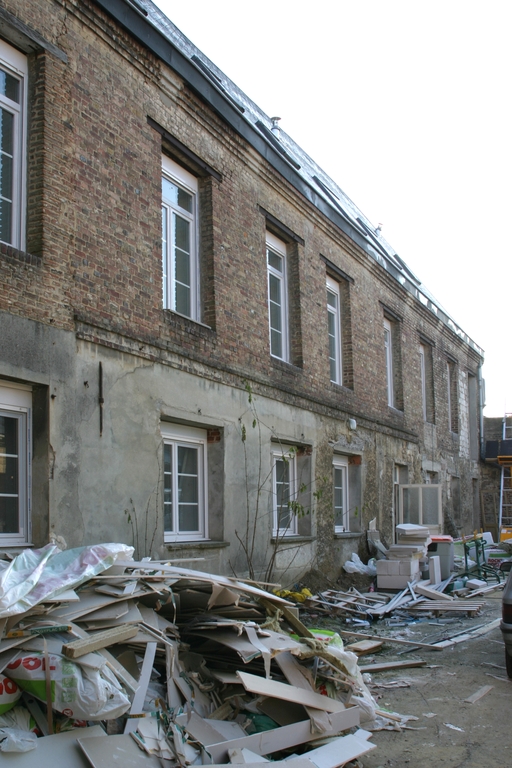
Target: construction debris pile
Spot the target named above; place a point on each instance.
(180, 668)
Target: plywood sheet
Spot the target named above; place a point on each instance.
(109, 751)
(58, 751)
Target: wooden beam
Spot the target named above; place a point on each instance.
(100, 640)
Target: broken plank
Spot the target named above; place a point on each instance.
(276, 690)
(483, 691)
(391, 665)
(339, 751)
(365, 646)
(140, 693)
(100, 640)
(389, 639)
(433, 594)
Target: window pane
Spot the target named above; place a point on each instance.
(411, 509)
(165, 238)
(430, 508)
(182, 300)
(172, 193)
(274, 289)
(6, 176)
(184, 200)
(275, 317)
(168, 518)
(187, 460)
(189, 518)
(276, 343)
(332, 299)
(8, 435)
(275, 260)
(9, 475)
(187, 489)
(182, 234)
(9, 518)
(6, 131)
(9, 86)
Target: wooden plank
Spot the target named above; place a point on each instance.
(140, 693)
(391, 665)
(276, 690)
(295, 623)
(100, 640)
(433, 594)
(365, 646)
(483, 691)
(389, 640)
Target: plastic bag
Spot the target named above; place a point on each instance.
(9, 694)
(14, 740)
(77, 692)
(355, 565)
(40, 574)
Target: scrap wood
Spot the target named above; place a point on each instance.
(289, 616)
(392, 665)
(389, 639)
(100, 640)
(479, 694)
(106, 751)
(433, 594)
(362, 647)
(461, 637)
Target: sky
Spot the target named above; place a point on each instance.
(406, 105)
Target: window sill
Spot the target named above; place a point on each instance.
(348, 535)
(285, 365)
(292, 539)
(171, 312)
(174, 545)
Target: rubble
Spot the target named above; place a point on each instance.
(106, 658)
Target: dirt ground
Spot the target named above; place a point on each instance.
(449, 733)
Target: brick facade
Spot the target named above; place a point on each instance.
(98, 116)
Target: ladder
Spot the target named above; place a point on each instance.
(505, 461)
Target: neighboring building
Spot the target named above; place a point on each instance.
(280, 350)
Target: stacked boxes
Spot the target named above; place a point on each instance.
(403, 563)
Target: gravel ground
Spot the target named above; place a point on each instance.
(449, 732)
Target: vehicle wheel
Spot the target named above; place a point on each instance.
(508, 663)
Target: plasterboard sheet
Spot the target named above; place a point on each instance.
(278, 738)
(339, 752)
(276, 690)
(58, 751)
(120, 750)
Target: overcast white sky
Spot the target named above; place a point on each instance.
(407, 106)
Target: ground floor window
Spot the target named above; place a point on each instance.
(340, 481)
(284, 490)
(15, 463)
(185, 499)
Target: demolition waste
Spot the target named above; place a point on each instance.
(103, 658)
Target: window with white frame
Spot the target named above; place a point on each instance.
(421, 505)
(388, 348)
(15, 463)
(423, 379)
(284, 490)
(334, 329)
(13, 77)
(277, 297)
(185, 483)
(180, 266)
(340, 490)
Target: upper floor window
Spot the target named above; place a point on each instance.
(427, 382)
(185, 513)
(334, 330)
(452, 396)
(180, 268)
(13, 75)
(284, 490)
(388, 349)
(15, 456)
(277, 298)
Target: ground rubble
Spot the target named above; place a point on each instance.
(105, 658)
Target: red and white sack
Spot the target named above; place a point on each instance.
(77, 692)
(9, 694)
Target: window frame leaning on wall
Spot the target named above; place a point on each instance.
(14, 65)
(277, 310)
(16, 406)
(176, 436)
(340, 494)
(175, 176)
